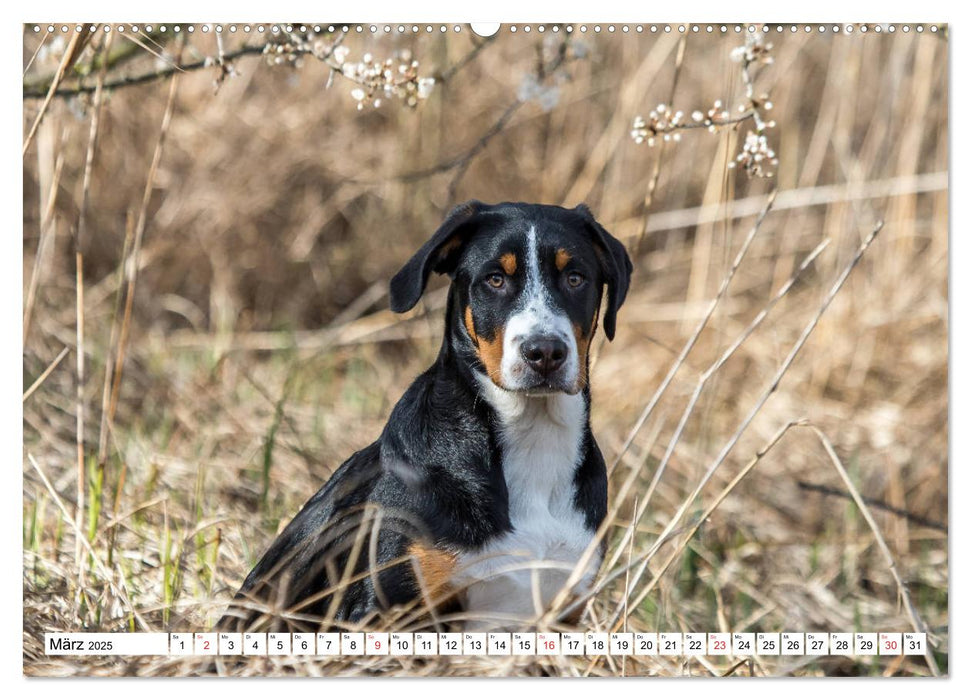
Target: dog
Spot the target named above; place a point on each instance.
(486, 488)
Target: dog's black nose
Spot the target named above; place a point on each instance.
(544, 355)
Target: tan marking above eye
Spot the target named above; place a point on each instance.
(562, 258)
(508, 263)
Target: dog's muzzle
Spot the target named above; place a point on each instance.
(544, 355)
(545, 361)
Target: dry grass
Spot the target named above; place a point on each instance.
(237, 347)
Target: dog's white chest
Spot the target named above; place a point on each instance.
(521, 572)
(541, 450)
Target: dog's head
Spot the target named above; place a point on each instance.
(527, 282)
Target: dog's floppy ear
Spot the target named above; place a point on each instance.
(440, 253)
(616, 265)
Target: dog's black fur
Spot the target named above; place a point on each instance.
(398, 514)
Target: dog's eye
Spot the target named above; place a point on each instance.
(496, 280)
(575, 279)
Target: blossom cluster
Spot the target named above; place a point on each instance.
(284, 53)
(755, 50)
(666, 123)
(662, 121)
(376, 80)
(755, 155)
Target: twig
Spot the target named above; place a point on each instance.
(447, 75)
(468, 154)
(875, 503)
(50, 368)
(463, 159)
(46, 235)
(150, 76)
(295, 47)
(617, 128)
(656, 174)
(749, 81)
(92, 146)
(132, 264)
(161, 57)
(106, 414)
(79, 385)
(120, 54)
(71, 55)
(719, 122)
(664, 121)
(630, 556)
(40, 45)
(79, 396)
(79, 239)
(915, 619)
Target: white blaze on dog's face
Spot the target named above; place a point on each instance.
(541, 350)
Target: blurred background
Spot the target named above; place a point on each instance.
(242, 218)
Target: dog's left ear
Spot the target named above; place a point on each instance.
(440, 253)
(616, 265)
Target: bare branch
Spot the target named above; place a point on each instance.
(875, 503)
(147, 77)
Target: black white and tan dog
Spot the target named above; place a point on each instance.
(487, 464)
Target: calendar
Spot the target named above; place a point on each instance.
(618, 644)
(564, 348)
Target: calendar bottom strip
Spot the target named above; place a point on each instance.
(486, 644)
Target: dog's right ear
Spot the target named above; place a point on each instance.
(440, 253)
(617, 268)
